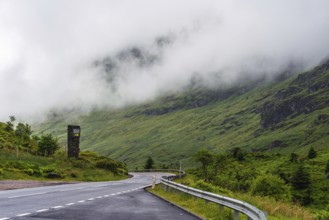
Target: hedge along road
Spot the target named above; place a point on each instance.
(117, 200)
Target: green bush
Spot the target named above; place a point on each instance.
(79, 163)
(107, 164)
(200, 184)
(323, 214)
(47, 169)
(1, 171)
(16, 165)
(29, 171)
(73, 175)
(270, 185)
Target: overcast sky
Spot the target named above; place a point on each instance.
(48, 48)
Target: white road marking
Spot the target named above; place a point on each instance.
(65, 190)
(57, 207)
(99, 197)
(24, 214)
(91, 199)
(35, 194)
(42, 210)
(99, 186)
(81, 201)
(68, 204)
(113, 194)
(4, 218)
(106, 195)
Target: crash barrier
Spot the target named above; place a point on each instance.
(238, 206)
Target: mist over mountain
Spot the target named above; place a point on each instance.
(84, 55)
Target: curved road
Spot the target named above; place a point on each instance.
(117, 200)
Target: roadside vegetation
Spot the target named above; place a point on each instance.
(24, 156)
(286, 187)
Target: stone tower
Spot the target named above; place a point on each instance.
(73, 140)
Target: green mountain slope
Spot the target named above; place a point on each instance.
(286, 116)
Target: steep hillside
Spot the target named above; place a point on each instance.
(286, 116)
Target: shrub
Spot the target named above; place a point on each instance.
(29, 171)
(323, 214)
(312, 153)
(79, 163)
(73, 175)
(107, 164)
(1, 171)
(204, 186)
(270, 185)
(47, 169)
(55, 175)
(301, 184)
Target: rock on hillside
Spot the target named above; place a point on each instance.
(308, 92)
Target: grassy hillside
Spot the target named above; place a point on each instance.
(282, 117)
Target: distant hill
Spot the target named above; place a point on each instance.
(284, 116)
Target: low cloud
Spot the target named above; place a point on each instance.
(73, 54)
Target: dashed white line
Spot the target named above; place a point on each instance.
(99, 186)
(4, 218)
(42, 210)
(106, 195)
(68, 204)
(99, 197)
(24, 214)
(81, 201)
(91, 199)
(57, 207)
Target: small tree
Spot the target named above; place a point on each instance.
(205, 158)
(293, 157)
(301, 183)
(149, 163)
(238, 154)
(10, 124)
(312, 153)
(48, 145)
(300, 178)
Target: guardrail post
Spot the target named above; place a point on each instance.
(236, 215)
(221, 207)
(153, 182)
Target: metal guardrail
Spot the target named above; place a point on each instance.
(237, 205)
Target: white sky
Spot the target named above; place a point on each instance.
(47, 48)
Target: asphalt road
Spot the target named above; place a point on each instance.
(119, 200)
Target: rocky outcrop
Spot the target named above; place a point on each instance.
(274, 112)
(308, 92)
